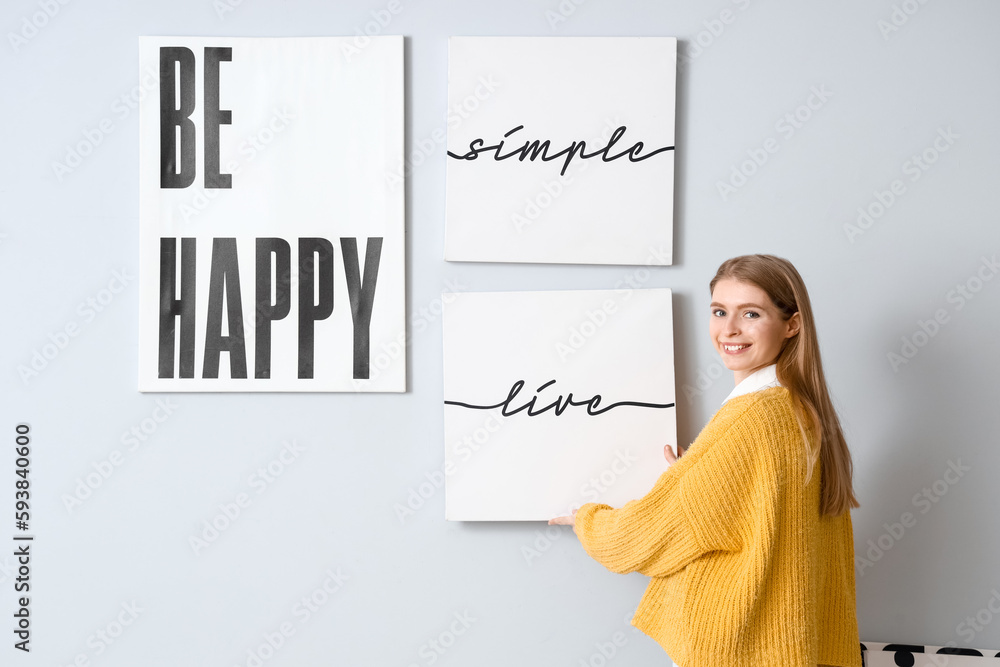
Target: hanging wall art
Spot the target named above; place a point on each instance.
(560, 149)
(555, 399)
(271, 229)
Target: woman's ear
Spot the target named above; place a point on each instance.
(794, 323)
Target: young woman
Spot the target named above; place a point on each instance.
(748, 536)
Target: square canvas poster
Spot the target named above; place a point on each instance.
(555, 399)
(561, 149)
(271, 233)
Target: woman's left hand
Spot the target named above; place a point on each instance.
(569, 520)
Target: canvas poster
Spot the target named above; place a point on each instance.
(271, 238)
(561, 149)
(555, 399)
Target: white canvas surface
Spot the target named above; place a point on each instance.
(315, 128)
(616, 344)
(565, 90)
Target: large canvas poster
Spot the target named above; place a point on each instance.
(561, 149)
(271, 233)
(555, 399)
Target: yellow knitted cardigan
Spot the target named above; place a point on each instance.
(745, 572)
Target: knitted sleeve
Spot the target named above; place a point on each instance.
(647, 535)
(712, 502)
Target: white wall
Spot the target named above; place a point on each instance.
(333, 506)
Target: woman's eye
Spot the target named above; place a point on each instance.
(718, 312)
(752, 314)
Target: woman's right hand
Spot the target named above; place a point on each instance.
(668, 454)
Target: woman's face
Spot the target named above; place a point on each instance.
(746, 329)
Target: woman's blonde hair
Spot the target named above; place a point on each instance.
(801, 371)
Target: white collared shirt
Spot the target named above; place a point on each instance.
(761, 379)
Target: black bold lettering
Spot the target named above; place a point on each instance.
(172, 308)
(315, 266)
(176, 114)
(224, 281)
(266, 312)
(214, 117)
(362, 294)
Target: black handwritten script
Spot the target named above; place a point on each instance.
(559, 405)
(539, 149)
